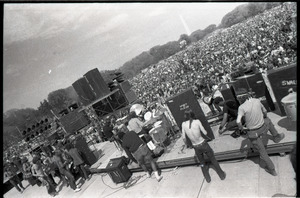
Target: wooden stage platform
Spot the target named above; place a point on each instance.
(224, 146)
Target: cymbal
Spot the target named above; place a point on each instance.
(245, 76)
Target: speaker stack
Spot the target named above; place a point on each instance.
(281, 80)
(73, 121)
(187, 100)
(84, 91)
(97, 83)
(91, 87)
(129, 94)
(36, 130)
(256, 84)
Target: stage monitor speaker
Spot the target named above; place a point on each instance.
(281, 80)
(74, 121)
(87, 154)
(84, 91)
(118, 171)
(187, 100)
(97, 83)
(256, 83)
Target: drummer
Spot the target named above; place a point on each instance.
(135, 124)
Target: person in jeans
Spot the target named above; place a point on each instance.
(258, 124)
(77, 159)
(38, 171)
(192, 127)
(10, 171)
(61, 164)
(132, 143)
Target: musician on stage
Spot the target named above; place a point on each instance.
(230, 112)
(212, 99)
(133, 144)
(192, 127)
(257, 125)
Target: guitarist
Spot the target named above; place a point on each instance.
(212, 100)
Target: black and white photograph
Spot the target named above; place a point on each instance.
(149, 99)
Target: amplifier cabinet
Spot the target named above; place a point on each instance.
(281, 80)
(187, 100)
(118, 170)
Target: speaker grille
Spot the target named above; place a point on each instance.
(84, 91)
(96, 81)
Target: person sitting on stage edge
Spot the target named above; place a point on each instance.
(132, 143)
(257, 125)
(230, 112)
(192, 127)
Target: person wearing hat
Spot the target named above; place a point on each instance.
(257, 125)
(193, 129)
(10, 171)
(135, 124)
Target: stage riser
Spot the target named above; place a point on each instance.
(222, 156)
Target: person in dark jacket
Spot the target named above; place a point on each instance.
(132, 143)
(77, 159)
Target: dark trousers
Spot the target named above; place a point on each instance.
(15, 181)
(204, 149)
(255, 136)
(69, 176)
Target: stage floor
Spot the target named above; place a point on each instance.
(224, 146)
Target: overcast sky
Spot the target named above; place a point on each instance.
(49, 46)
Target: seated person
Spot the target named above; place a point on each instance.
(230, 111)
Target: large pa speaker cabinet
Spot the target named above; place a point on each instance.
(117, 100)
(118, 171)
(228, 94)
(281, 80)
(187, 100)
(74, 121)
(84, 91)
(87, 155)
(102, 107)
(130, 96)
(97, 83)
(256, 83)
(125, 86)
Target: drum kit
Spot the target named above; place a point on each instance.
(158, 133)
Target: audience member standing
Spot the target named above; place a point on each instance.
(11, 172)
(77, 159)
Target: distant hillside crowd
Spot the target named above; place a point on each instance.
(263, 42)
(161, 52)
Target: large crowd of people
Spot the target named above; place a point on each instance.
(262, 42)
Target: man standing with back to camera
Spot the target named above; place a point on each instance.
(258, 124)
(192, 127)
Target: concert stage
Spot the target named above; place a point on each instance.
(224, 146)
